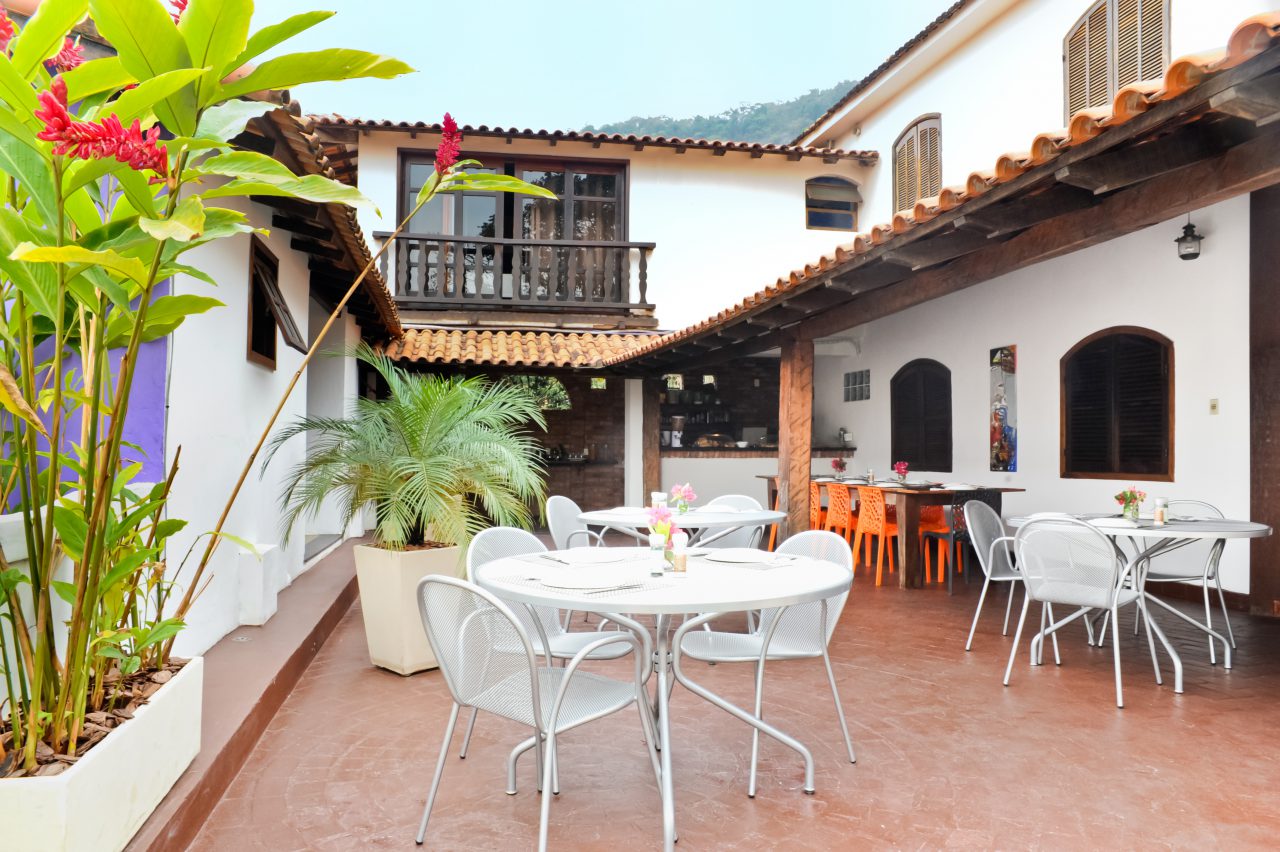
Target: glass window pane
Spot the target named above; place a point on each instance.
(605, 186)
(542, 219)
(479, 213)
(418, 174)
(552, 180)
(834, 221)
(595, 220)
(432, 218)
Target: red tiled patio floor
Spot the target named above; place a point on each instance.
(947, 757)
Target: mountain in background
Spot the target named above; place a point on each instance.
(777, 121)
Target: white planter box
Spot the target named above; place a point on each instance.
(103, 799)
(388, 600)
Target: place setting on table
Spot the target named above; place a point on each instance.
(704, 523)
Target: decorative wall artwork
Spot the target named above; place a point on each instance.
(1004, 408)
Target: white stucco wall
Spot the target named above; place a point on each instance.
(1201, 305)
(218, 403)
(997, 90)
(725, 227)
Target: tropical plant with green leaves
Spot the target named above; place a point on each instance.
(113, 169)
(438, 458)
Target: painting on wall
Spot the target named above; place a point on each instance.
(1004, 408)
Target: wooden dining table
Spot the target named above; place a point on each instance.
(909, 502)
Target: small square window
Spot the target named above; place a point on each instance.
(599, 384)
(675, 381)
(708, 380)
(857, 386)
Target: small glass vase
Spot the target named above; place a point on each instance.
(1130, 511)
(682, 506)
(902, 477)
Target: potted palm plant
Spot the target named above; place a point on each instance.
(438, 459)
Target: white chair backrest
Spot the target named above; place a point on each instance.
(480, 644)
(1194, 509)
(562, 520)
(803, 624)
(1066, 560)
(985, 526)
(501, 543)
(743, 536)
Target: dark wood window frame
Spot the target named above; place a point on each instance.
(932, 120)
(922, 437)
(267, 305)
(513, 164)
(1167, 353)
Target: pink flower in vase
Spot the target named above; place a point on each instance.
(839, 465)
(683, 495)
(901, 469)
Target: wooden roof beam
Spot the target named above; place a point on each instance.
(1256, 100)
(302, 227)
(1143, 160)
(1020, 214)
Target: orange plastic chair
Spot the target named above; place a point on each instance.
(817, 517)
(840, 517)
(872, 521)
(933, 520)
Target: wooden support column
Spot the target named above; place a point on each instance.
(1264, 397)
(651, 421)
(795, 431)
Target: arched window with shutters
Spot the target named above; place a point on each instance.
(1117, 406)
(920, 415)
(1115, 43)
(917, 162)
(831, 204)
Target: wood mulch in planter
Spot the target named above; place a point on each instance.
(135, 691)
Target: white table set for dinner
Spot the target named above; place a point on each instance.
(705, 523)
(624, 582)
(1138, 542)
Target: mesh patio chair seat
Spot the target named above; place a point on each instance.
(994, 547)
(742, 536)
(841, 519)
(793, 633)
(488, 662)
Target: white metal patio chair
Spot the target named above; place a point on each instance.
(995, 554)
(742, 536)
(1067, 561)
(794, 633)
(1172, 574)
(488, 663)
(542, 624)
(562, 520)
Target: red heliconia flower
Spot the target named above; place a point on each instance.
(71, 55)
(450, 145)
(96, 140)
(179, 6)
(6, 30)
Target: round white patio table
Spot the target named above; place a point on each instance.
(630, 519)
(1148, 541)
(626, 587)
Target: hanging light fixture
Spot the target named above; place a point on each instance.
(1189, 242)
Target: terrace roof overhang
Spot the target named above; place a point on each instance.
(1208, 131)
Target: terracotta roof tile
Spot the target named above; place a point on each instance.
(514, 348)
(755, 148)
(1250, 38)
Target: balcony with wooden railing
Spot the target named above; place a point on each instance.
(441, 272)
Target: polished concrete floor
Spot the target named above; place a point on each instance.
(947, 756)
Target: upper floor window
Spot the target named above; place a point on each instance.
(831, 204)
(267, 308)
(1115, 43)
(1117, 406)
(920, 415)
(917, 162)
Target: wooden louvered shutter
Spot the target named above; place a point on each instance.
(1099, 76)
(1115, 43)
(920, 416)
(1077, 59)
(930, 159)
(1154, 40)
(1116, 407)
(906, 172)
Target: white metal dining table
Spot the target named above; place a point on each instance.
(702, 520)
(626, 587)
(1147, 541)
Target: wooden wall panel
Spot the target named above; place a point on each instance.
(1264, 392)
(650, 419)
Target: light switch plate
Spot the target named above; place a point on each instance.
(1213, 406)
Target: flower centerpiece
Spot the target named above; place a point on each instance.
(683, 495)
(660, 523)
(1130, 500)
(901, 468)
(839, 466)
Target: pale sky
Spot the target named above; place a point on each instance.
(562, 64)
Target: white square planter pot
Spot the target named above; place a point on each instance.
(106, 796)
(388, 582)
